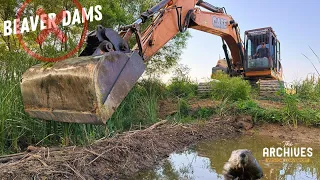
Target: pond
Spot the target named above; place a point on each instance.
(206, 160)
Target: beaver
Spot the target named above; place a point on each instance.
(242, 166)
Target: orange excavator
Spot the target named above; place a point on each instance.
(89, 88)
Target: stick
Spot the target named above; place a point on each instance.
(59, 172)
(156, 125)
(42, 162)
(312, 64)
(5, 159)
(11, 155)
(101, 155)
(76, 172)
(315, 54)
(92, 152)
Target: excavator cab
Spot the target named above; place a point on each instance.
(257, 66)
(263, 69)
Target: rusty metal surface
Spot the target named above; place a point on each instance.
(81, 90)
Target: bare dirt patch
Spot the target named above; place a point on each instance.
(202, 103)
(268, 104)
(301, 134)
(118, 157)
(169, 107)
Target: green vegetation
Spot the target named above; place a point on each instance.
(141, 107)
(308, 89)
(17, 130)
(235, 97)
(229, 88)
(181, 86)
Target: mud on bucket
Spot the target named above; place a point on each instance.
(81, 90)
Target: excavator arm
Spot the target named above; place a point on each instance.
(179, 15)
(88, 89)
(174, 16)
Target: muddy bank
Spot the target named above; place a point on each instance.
(118, 157)
(302, 134)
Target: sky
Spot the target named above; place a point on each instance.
(295, 22)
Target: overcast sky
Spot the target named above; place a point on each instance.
(295, 22)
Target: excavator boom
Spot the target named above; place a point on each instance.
(89, 88)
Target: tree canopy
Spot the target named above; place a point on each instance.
(115, 13)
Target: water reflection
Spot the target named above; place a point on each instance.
(206, 160)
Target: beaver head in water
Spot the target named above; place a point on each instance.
(242, 166)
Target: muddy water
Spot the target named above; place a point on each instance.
(206, 160)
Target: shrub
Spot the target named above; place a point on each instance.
(181, 85)
(229, 88)
(153, 85)
(182, 88)
(308, 89)
(251, 108)
(183, 108)
(203, 113)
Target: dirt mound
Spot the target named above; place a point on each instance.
(118, 157)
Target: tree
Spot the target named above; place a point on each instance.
(168, 56)
(115, 13)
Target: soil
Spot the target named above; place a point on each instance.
(118, 157)
(301, 134)
(196, 103)
(270, 104)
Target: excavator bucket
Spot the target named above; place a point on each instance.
(85, 89)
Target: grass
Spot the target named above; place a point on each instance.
(308, 89)
(13, 122)
(140, 107)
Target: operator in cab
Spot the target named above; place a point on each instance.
(263, 51)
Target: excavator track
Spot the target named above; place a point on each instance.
(270, 88)
(267, 88)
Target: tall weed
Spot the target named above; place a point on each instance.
(229, 88)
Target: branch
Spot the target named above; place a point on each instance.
(315, 54)
(312, 64)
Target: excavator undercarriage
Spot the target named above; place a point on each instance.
(270, 88)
